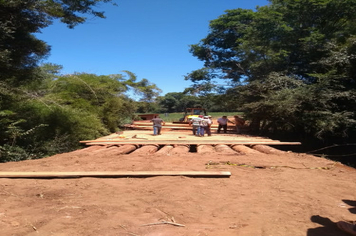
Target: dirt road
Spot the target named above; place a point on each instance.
(267, 194)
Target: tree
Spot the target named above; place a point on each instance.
(20, 50)
(146, 91)
(101, 95)
(169, 102)
(52, 115)
(294, 62)
(23, 85)
(178, 102)
(209, 92)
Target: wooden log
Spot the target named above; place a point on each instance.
(113, 174)
(225, 149)
(105, 149)
(268, 150)
(180, 149)
(115, 150)
(165, 150)
(243, 149)
(91, 150)
(147, 150)
(124, 149)
(87, 149)
(205, 149)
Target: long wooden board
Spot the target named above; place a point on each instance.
(149, 124)
(150, 127)
(113, 174)
(187, 142)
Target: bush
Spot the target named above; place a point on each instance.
(12, 153)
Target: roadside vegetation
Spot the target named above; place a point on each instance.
(289, 68)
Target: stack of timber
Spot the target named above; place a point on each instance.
(146, 125)
(173, 142)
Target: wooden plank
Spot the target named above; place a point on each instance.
(146, 124)
(163, 127)
(113, 174)
(170, 125)
(150, 127)
(188, 142)
(185, 138)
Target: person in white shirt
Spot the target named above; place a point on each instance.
(196, 123)
(222, 121)
(206, 123)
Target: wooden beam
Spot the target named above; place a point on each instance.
(187, 142)
(147, 127)
(112, 174)
(179, 138)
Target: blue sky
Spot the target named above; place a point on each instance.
(149, 38)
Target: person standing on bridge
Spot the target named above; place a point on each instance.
(157, 125)
(206, 123)
(196, 123)
(222, 121)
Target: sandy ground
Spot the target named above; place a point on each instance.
(266, 194)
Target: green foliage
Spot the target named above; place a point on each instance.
(12, 153)
(12, 133)
(20, 50)
(41, 111)
(177, 102)
(99, 95)
(80, 125)
(52, 115)
(292, 64)
(146, 90)
(117, 112)
(45, 129)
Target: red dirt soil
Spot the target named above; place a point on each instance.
(276, 194)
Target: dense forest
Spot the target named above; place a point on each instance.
(289, 66)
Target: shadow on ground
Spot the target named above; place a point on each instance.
(328, 227)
